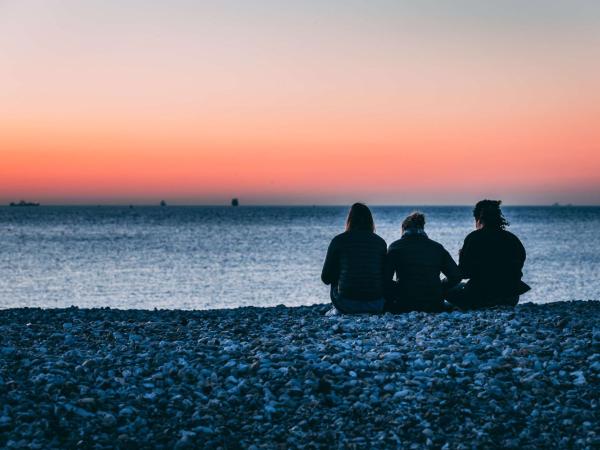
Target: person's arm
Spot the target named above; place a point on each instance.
(522, 253)
(331, 266)
(522, 287)
(390, 286)
(450, 270)
(388, 271)
(465, 259)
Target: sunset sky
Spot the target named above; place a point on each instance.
(299, 102)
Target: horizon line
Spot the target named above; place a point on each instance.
(302, 205)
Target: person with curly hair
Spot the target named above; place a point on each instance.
(492, 260)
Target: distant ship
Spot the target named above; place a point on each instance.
(163, 203)
(23, 203)
(235, 202)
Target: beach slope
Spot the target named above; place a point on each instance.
(293, 378)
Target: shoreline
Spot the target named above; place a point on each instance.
(274, 377)
(240, 309)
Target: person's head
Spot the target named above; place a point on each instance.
(360, 218)
(487, 213)
(414, 221)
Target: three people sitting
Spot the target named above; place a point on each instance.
(366, 277)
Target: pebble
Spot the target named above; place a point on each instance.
(294, 378)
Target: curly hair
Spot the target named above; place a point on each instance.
(489, 213)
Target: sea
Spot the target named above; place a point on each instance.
(205, 257)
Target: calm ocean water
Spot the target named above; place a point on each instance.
(222, 257)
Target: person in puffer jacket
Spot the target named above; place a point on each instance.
(354, 265)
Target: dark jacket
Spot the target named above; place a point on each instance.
(416, 261)
(354, 264)
(493, 260)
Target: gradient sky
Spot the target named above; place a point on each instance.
(300, 102)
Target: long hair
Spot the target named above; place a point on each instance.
(360, 218)
(488, 212)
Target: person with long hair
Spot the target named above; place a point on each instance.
(354, 265)
(413, 267)
(492, 259)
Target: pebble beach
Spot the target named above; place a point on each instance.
(280, 377)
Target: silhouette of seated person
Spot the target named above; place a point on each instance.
(354, 265)
(492, 260)
(413, 267)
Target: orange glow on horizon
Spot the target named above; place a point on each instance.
(349, 161)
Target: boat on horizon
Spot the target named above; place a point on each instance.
(23, 203)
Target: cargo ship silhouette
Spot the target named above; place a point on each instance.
(23, 203)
